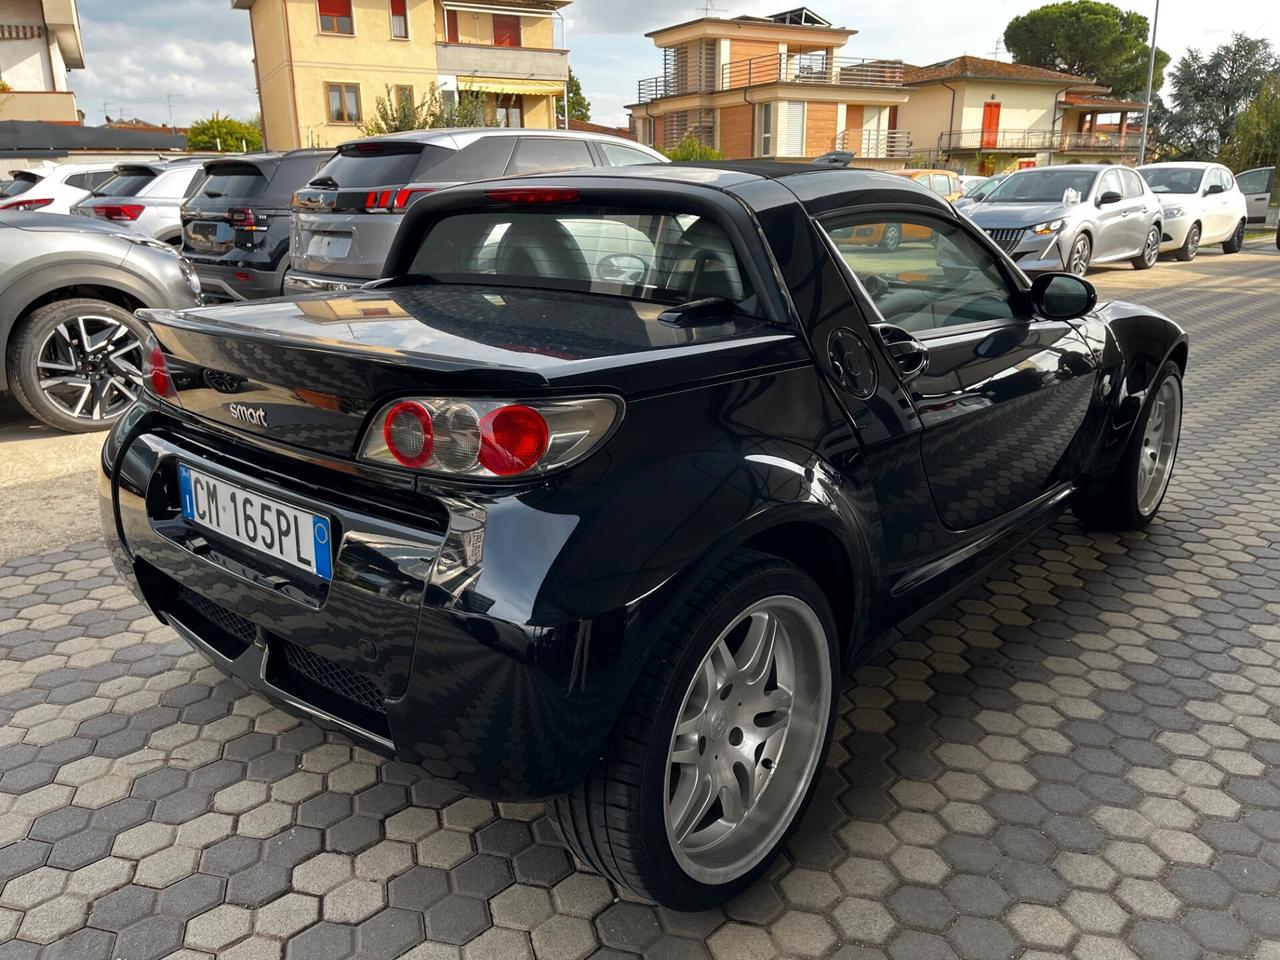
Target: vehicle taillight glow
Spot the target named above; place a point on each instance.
(488, 439)
(408, 433)
(512, 439)
(27, 204)
(117, 211)
(243, 218)
(406, 195)
(155, 370)
(533, 194)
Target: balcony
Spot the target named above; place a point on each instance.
(813, 68)
(516, 63)
(1031, 141)
(876, 144)
(58, 106)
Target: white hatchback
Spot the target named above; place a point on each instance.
(54, 188)
(1202, 204)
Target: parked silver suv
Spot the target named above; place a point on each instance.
(345, 219)
(1069, 217)
(147, 197)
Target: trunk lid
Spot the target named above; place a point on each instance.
(308, 372)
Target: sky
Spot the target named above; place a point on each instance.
(146, 57)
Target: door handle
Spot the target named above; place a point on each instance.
(911, 356)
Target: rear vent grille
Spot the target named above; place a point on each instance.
(1006, 237)
(333, 677)
(233, 626)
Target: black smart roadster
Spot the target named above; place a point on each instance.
(598, 494)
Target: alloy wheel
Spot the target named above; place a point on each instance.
(90, 367)
(1151, 251)
(891, 237)
(1080, 251)
(1159, 445)
(1193, 242)
(748, 739)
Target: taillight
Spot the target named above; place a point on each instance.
(243, 218)
(533, 194)
(155, 370)
(406, 195)
(117, 211)
(488, 439)
(27, 204)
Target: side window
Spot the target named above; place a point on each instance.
(79, 180)
(940, 184)
(923, 275)
(1132, 184)
(1110, 183)
(616, 155)
(1255, 181)
(98, 179)
(540, 154)
(1227, 180)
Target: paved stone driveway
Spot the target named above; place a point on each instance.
(1081, 759)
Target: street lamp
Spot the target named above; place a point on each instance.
(1151, 75)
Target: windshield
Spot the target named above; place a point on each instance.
(983, 189)
(1173, 179)
(20, 184)
(378, 164)
(660, 255)
(1043, 186)
(241, 181)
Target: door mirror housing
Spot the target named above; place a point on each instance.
(1062, 296)
(1214, 188)
(1110, 196)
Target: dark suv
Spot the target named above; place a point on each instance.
(601, 491)
(235, 229)
(345, 219)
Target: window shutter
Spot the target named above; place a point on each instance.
(793, 135)
(334, 8)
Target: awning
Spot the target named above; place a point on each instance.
(499, 85)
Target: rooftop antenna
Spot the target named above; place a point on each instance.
(708, 8)
(169, 98)
(995, 54)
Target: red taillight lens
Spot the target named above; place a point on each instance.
(512, 439)
(155, 370)
(408, 433)
(533, 195)
(407, 195)
(117, 211)
(27, 204)
(243, 218)
(488, 439)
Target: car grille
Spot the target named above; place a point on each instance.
(335, 678)
(230, 623)
(1006, 237)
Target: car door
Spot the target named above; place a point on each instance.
(1114, 232)
(1219, 210)
(1142, 205)
(1000, 393)
(1256, 186)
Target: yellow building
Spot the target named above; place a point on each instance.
(322, 64)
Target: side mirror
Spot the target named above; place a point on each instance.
(1062, 296)
(1214, 188)
(1111, 196)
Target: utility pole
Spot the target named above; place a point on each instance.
(1151, 75)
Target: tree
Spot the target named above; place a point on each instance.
(1089, 39)
(1209, 93)
(579, 105)
(691, 148)
(1255, 139)
(394, 113)
(224, 134)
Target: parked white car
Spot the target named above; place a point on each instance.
(55, 188)
(1202, 204)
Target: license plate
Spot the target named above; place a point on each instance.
(268, 526)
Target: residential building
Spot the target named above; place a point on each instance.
(39, 43)
(772, 87)
(982, 116)
(322, 64)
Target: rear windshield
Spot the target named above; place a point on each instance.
(1043, 186)
(379, 164)
(20, 184)
(1173, 179)
(238, 180)
(126, 183)
(659, 255)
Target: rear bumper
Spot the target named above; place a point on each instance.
(296, 282)
(391, 652)
(240, 282)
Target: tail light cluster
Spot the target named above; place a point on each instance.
(394, 200)
(243, 218)
(27, 204)
(115, 211)
(155, 370)
(493, 439)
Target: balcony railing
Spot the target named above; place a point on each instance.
(876, 144)
(816, 68)
(1039, 140)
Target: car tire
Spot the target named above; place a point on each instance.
(1131, 498)
(1081, 255)
(890, 238)
(50, 342)
(1235, 242)
(1190, 246)
(624, 817)
(1150, 250)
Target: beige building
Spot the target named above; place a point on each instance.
(772, 87)
(322, 64)
(39, 43)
